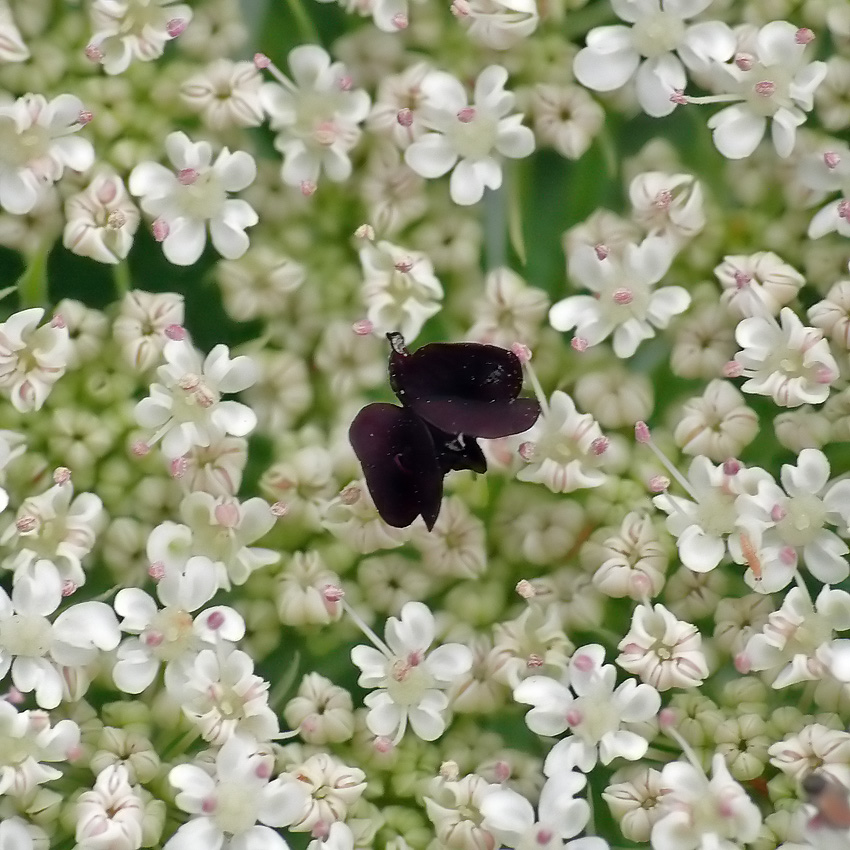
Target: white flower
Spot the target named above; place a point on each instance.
(697, 812)
(170, 634)
(634, 802)
(565, 117)
(510, 310)
(467, 140)
(702, 526)
(510, 817)
(226, 93)
(499, 24)
(215, 469)
(668, 205)
(592, 709)
(332, 788)
(624, 301)
(142, 321)
(644, 52)
(186, 407)
(562, 447)
(399, 95)
(789, 645)
(316, 117)
(134, 29)
(400, 290)
(235, 805)
(321, 711)
(663, 651)
(219, 692)
(717, 424)
(15, 835)
(38, 146)
(184, 201)
(634, 560)
(101, 220)
(827, 173)
(38, 651)
(814, 747)
(12, 46)
(785, 360)
(778, 84)
(757, 282)
(26, 740)
(832, 315)
(410, 680)
(797, 521)
(54, 527)
(32, 358)
(111, 815)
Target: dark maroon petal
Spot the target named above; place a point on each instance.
(465, 370)
(399, 461)
(478, 418)
(457, 451)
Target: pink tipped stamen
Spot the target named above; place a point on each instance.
(522, 352)
(663, 200)
(744, 61)
(400, 21)
(68, 587)
(579, 344)
(544, 836)
(383, 745)
(659, 484)
(778, 513)
(525, 589)
(320, 830)
(788, 556)
(58, 321)
(404, 265)
(178, 467)
(466, 115)
(308, 188)
(534, 661)
(600, 445)
(332, 593)
(187, 176)
(61, 475)
(365, 231)
(765, 88)
(502, 771)
(175, 332)
(175, 27)
(742, 663)
(844, 209)
(26, 524)
(85, 117)
(153, 639)
(601, 251)
(732, 369)
(667, 718)
(679, 97)
(732, 466)
(804, 36)
(350, 495)
(215, 620)
(574, 717)
(279, 510)
(460, 8)
(622, 296)
(115, 220)
(640, 585)
(583, 663)
(261, 61)
(346, 83)
(363, 327)
(742, 279)
(209, 805)
(140, 448)
(526, 451)
(642, 434)
(405, 117)
(156, 570)
(160, 230)
(93, 53)
(831, 159)
(227, 515)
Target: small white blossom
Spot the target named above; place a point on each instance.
(226, 93)
(183, 202)
(111, 815)
(644, 52)
(26, 741)
(32, 357)
(510, 310)
(56, 528)
(316, 116)
(789, 644)
(778, 83)
(697, 812)
(785, 360)
(410, 681)
(832, 315)
(468, 139)
(400, 95)
(634, 802)
(592, 708)
(219, 692)
(562, 448)
(663, 651)
(235, 805)
(321, 711)
(753, 283)
(624, 302)
(565, 117)
(668, 205)
(400, 290)
(101, 220)
(828, 172)
(186, 407)
(142, 321)
(41, 653)
(170, 634)
(12, 46)
(332, 787)
(499, 24)
(38, 145)
(814, 747)
(134, 29)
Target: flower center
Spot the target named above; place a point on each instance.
(26, 634)
(21, 148)
(169, 634)
(204, 197)
(716, 513)
(236, 808)
(474, 138)
(766, 89)
(804, 518)
(658, 33)
(408, 682)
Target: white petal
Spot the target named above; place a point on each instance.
(431, 156)
(609, 61)
(234, 418)
(185, 242)
(657, 79)
(737, 131)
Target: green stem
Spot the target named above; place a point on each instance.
(32, 284)
(515, 233)
(121, 277)
(306, 27)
